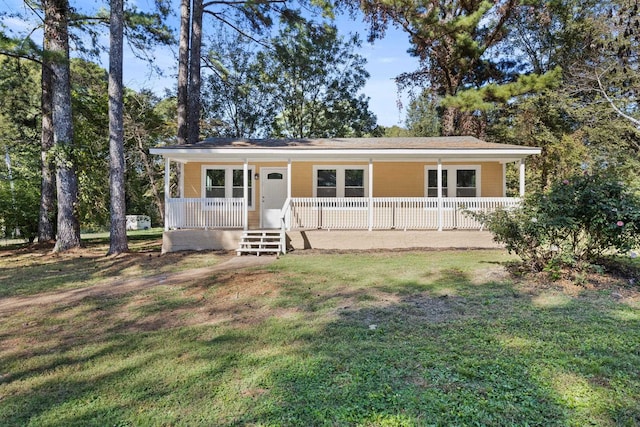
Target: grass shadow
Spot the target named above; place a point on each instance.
(395, 340)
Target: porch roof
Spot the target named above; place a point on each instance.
(379, 149)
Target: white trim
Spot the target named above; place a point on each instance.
(340, 174)
(288, 178)
(522, 175)
(261, 153)
(228, 181)
(167, 192)
(245, 193)
(451, 178)
(370, 194)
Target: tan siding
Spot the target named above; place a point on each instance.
(491, 180)
(399, 179)
(390, 179)
(302, 182)
(192, 180)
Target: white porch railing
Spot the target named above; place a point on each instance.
(384, 213)
(205, 213)
(349, 213)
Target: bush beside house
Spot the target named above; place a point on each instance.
(575, 223)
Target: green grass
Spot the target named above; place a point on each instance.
(26, 270)
(384, 339)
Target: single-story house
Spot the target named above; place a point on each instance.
(267, 190)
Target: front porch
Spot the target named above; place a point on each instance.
(303, 187)
(346, 213)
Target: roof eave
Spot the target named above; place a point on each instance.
(199, 154)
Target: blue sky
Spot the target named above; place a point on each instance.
(386, 59)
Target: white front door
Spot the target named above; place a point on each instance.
(273, 192)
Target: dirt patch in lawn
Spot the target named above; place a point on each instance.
(123, 285)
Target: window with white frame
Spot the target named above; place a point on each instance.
(463, 181)
(340, 181)
(432, 183)
(224, 182)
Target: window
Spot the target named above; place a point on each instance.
(466, 183)
(457, 181)
(340, 181)
(214, 186)
(432, 183)
(327, 183)
(224, 182)
(354, 183)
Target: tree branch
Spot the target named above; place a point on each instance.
(236, 28)
(20, 56)
(613, 105)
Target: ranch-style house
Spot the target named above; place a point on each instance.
(271, 195)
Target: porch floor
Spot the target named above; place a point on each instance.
(177, 240)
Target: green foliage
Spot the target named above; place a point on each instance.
(573, 224)
(235, 101)
(19, 145)
(313, 76)
(486, 97)
(396, 131)
(543, 120)
(422, 116)
(19, 201)
(91, 133)
(148, 123)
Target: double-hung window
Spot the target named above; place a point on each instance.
(461, 181)
(225, 182)
(466, 183)
(432, 183)
(340, 181)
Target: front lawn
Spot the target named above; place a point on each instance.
(379, 338)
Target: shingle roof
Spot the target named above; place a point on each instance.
(448, 143)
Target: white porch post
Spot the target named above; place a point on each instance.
(167, 194)
(245, 184)
(439, 194)
(504, 179)
(289, 179)
(370, 194)
(521, 177)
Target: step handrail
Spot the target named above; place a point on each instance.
(283, 224)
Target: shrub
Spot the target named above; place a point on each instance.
(574, 223)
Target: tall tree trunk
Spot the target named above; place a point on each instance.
(46, 218)
(193, 114)
(118, 237)
(57, 35)
(183, 70)
(449, 121)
